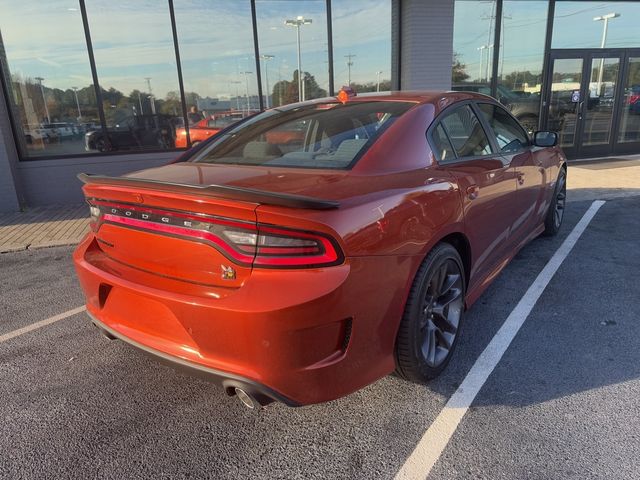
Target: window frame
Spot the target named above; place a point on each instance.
(517, 123)
(446, 112)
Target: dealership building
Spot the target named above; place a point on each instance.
(115, 86)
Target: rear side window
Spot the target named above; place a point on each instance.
(509, 134)
(441, 145)
(324, 135)
(466, 133)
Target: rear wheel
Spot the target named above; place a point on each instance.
(555, 214)
(431, 323)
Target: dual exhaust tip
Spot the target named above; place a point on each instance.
(248, 400)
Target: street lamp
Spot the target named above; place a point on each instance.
(246, 79)
(378, 73)
(297, 22)
(151, 97)
(44, 100)
(605, 28)
(481, 49)
(266, 59)
(75, 92)
(237, 82)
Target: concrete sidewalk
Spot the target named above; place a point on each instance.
(41, 227)
(66, 224)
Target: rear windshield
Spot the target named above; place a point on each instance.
(327, 135)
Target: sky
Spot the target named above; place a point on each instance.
(133, 40)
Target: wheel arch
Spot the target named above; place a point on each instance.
(460, 242)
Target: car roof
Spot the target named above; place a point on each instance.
(415, 96)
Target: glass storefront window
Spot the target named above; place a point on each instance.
(630, 121)
(581, 24)
(44, 58)
(522, 39)
(288, 31)
(136, 65)
(362, 44)
(218, 65)
(473, 38)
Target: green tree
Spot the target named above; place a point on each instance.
(458, 70)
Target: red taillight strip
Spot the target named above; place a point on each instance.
(183, 232)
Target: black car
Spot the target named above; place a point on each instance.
(525, 107)
(154, 131)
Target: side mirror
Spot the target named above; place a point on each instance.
(545, 139)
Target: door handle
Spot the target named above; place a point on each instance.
(520, 178)
(580, 107)
(473, 191)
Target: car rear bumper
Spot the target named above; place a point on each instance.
(297, 336)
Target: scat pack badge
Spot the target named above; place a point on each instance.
(228, 273)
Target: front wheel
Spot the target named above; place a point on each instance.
(431, 323)
(555, 214)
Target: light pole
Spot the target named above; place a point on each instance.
(605, 28)
(349, 65)
(246, 80)
(266, 59)
(44, 100)
(482, 48)
(151, 97)
(237, 82)
(297, 22)
(378, 73)
(75, 92)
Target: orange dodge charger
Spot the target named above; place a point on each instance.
(300, 272)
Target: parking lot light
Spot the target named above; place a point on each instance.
(298, 22)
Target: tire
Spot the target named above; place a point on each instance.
(555, 213)
(101, 145)
(432, 319)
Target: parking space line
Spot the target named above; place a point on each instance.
(40, 324)
(435, 439)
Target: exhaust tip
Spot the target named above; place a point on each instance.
(245, 398)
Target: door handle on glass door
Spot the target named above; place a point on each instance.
(473, 191)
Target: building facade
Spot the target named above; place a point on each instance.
(115, 86)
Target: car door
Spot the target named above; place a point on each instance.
(514, 145)
(486, 181)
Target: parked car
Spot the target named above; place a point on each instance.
(134, 131)
(301, 277)
(526, 108)
(207, 127)
(63, 130)
(633, 99)
(35, 133)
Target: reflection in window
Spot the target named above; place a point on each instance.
(473, 37)
(630, 122)
(362, 44)
(521, 56)
(137, 72)
(466, 133)
(48, 75)
(218, 64)
(280, 25)
(581, 24)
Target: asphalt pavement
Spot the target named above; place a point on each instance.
(564, 401)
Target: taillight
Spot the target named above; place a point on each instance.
(275, 247)
(244, 243)
(633, 99)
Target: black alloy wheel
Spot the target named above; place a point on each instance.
(555, 214)
(430, 327)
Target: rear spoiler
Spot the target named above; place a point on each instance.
(220, 191)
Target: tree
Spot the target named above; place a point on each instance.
(285, 91)
(459, 72)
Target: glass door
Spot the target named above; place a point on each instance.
(628, 128)
(582, 100)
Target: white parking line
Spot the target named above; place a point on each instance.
(436, 438)
(40, 324)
